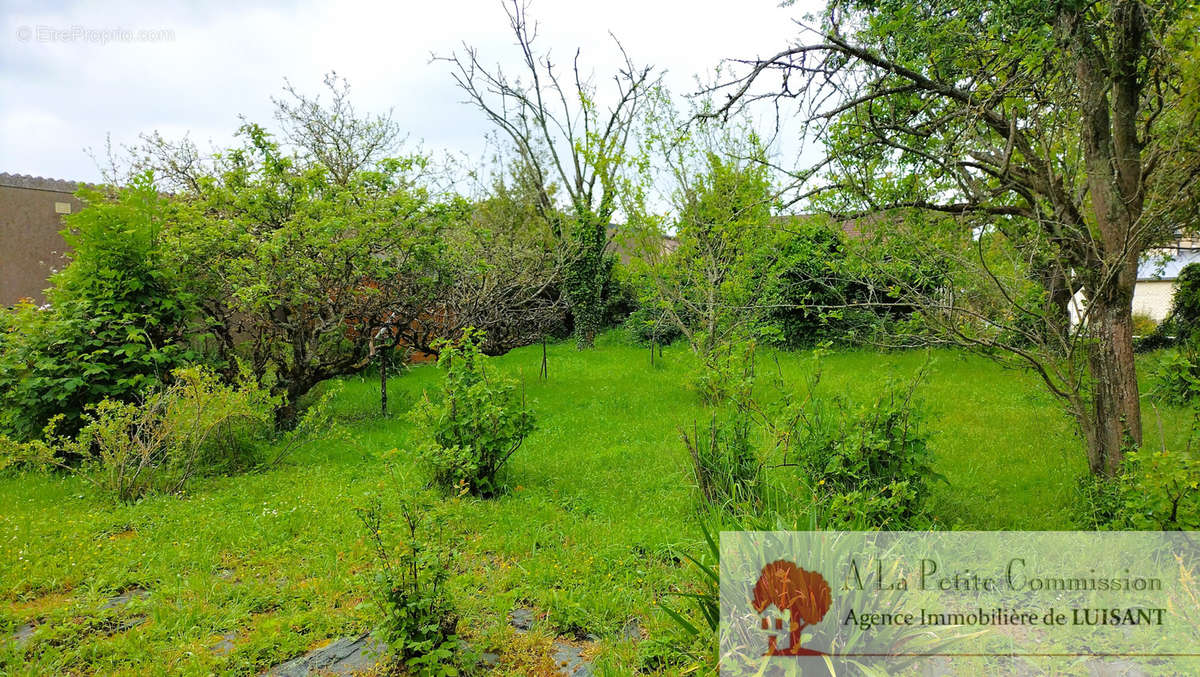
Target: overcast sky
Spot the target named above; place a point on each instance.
(74, 72)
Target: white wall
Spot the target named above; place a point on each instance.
(1150, 297)
(1153, 298)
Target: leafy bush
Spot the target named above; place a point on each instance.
(477, 425)
(419, 621)
(726, 373)
(1143, 324)
(805, 280)
(648, 328)
(868, 464)
(1182, 324)
(116, 324)
(1161, 490)
(1176, 377)
(1155, 490)
(1184, 319)
(193, 426)
(818, 288)
(32, 456)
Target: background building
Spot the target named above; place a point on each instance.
(1157, 276)
(31, 247)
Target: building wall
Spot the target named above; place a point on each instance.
(31, 248)
(1153, 298)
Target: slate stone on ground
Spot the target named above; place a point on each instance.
(633, 630)
(22, 635)
(119, 625)
(346, 656)
(521, 619)
(126, 597)
(568, 658)
(489, 660)
(127, 624)
(1117, 668)
(224, 646)
(570, 661)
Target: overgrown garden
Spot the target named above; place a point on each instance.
(321, 389)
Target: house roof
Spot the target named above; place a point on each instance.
(1165, 264)
(40, 183)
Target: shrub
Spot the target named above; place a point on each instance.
(1182, 324)
(726, 373)
(1176, 377)
(478, 424)
(1143, 324)
(196, 425)
(1160, 490)
(817, 287)
(32, 456)
(804, 280)
(1155, 490)
(1184, 319)
(868, 464)
(649, 328)
(419, 621)
(116, 324)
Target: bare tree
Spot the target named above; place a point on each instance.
(503, 274)
(333, 133)
(564, 137)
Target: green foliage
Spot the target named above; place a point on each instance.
(118, 319)
(1143, 325)
(815, 291)
(419, 621)
(706, 601)
(20, 457)
(727, 468)
(648, 328)
(296, 266)
(587, 275)
(1155, 490)
(726, 372)
(707, 282)
(195, 425)
(868, 464)
(1175, 378)
(1161, 490)
(478, 424)
(1184, 320)
(620, 296)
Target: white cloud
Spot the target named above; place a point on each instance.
(66, 92)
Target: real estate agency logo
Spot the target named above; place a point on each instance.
(790, 599)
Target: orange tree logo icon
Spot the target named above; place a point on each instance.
(785, 592)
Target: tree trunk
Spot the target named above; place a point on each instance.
(1116, 411)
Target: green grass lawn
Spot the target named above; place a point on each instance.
(589, 535)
